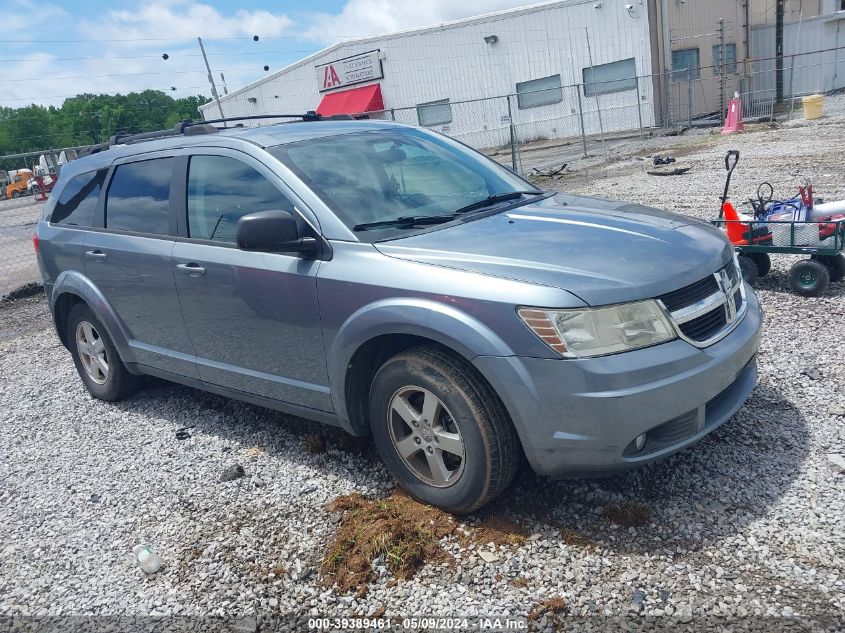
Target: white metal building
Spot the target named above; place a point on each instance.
(447, 76)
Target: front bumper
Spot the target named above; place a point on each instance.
(582, 415)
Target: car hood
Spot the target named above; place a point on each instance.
(601, 250)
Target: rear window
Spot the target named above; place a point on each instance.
(139, 197)
(78, 200)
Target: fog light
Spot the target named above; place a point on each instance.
(639, 442)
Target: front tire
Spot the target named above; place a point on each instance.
(441, 430)
(95, 356)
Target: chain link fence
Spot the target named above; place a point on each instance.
(579, 117)
(543, 129)
(18, 265)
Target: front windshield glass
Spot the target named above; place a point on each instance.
(382, 175)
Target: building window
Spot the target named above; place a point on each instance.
(434, 113)
(730, 58)
(613, 77)
(539, 92)
(686, 64)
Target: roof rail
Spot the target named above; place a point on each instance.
(183, 127)
(92, 149)
(191, 128)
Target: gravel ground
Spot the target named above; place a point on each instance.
(744, 530)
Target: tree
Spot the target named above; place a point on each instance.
(88, 118)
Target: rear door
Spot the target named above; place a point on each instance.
(128, 259)
(253, 317)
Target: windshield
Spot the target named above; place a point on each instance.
(383, 175)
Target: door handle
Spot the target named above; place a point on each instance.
(99, 256)
(191, 269)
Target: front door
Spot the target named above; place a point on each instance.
(253, 318)
(129, 262)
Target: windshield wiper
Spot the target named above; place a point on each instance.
(410, 221)
(406, 221)
(493, 199)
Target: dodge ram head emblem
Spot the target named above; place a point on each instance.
(730, 301)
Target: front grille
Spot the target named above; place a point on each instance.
(686, 305)
(690, 294)
(705, 326)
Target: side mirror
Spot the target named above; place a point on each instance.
(273, 232)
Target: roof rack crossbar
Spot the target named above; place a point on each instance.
(308, 116)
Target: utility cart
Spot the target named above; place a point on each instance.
(755, 239)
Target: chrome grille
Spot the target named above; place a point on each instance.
(703, 327)
(690, 294)
(707, 310)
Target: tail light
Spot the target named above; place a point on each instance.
(35, 241)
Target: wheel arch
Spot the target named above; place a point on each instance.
(379, 331)
(71, 288)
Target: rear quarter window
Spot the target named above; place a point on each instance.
(138, 198)
(78, 200)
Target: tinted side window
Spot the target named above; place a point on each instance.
(221, 190)
(139, 197)
(78, 200)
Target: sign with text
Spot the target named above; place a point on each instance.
(349, 70)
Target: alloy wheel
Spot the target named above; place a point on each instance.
(425, 436)
(92, 352)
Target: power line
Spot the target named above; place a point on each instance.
(323, 37)
(118, 93)
(168, 72)
(179, 55)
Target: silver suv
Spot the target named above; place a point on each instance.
(390, 281)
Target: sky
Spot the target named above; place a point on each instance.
(54, 50)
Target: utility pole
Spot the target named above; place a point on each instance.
(211, 80)
(667, 61)
(722, 67)
(779, 10)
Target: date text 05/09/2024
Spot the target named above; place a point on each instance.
(430, 623)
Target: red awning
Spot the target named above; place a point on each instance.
(352, 101)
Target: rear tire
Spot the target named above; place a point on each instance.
(441, 430)
(95, 356)
(809, 278)
(748, 267)
(835, 265)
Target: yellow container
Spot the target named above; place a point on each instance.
(813, 106)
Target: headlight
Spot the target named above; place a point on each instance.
(589, 332)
